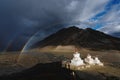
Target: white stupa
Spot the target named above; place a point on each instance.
(76, 61)
(89, 60)
(98, 62)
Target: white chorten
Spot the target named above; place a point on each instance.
(76, 61)
(89, 60)
(98, 62)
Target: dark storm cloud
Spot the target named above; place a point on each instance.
(21, 13)
(29, 16)
(21, 19)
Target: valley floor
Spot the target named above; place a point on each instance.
(12, 62)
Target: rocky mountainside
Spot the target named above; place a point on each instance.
(85, 38)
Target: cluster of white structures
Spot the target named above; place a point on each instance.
(77, 61)
(87, 62)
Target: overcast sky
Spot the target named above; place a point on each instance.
(25, 21)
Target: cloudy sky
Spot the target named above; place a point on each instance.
(23, 22)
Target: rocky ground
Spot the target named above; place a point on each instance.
(15, 63)
(42, 71)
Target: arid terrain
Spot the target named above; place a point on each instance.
(13, 62)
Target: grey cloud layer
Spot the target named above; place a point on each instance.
(23, 18)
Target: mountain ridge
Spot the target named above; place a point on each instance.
(85, 38)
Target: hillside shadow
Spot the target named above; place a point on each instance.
(48, 71)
